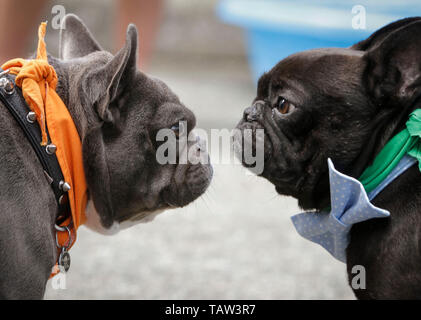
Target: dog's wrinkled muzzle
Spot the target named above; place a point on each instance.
(254, 112)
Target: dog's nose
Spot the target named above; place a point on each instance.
(252, 113)
(248, 114)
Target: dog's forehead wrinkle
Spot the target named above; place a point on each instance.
(171, 113)
(289, 88)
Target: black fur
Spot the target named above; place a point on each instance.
(349, 103)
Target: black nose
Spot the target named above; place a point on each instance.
(252, 113)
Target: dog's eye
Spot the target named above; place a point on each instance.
(179, 128)
(284, 106)
(176, 129)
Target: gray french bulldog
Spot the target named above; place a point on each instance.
(117, 111)
(345, 104)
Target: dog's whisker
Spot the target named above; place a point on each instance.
(206, 204)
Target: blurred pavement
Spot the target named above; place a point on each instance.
(236, 241)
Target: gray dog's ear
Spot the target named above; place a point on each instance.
(393, 66)
(103, 86)
(75, 39)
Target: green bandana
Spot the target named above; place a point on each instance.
(405, 142)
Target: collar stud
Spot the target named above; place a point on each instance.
(31, 117)
(7, 85)
(51, 149)
(63, 185)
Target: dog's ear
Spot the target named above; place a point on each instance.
(377, 37)
(103, 86)
(393, 64)
(75, 39)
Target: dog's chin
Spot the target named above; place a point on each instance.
(93, 220)
(309, 196)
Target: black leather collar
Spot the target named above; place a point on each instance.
(12, 98)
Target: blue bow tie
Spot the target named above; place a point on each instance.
(350, 204)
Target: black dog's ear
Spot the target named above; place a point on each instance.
(377, 37)
(393, 65)
(75, 39)
(102, 86)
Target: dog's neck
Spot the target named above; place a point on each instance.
(68, 90)
(63, 79)
(391, 123)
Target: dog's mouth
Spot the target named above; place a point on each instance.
(246, 143)
(145, 216)
(280, 168)
(181, 192)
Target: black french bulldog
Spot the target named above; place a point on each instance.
(345, 104)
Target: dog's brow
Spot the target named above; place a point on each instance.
(276, 85)
(279, 84)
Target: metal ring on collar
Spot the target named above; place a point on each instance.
(62, 229)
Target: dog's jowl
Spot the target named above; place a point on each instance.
(117, 111)
(342, 130)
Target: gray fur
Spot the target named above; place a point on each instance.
(117, 111)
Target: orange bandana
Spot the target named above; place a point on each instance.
(38, 81)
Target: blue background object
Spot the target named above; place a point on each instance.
(278, 28)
